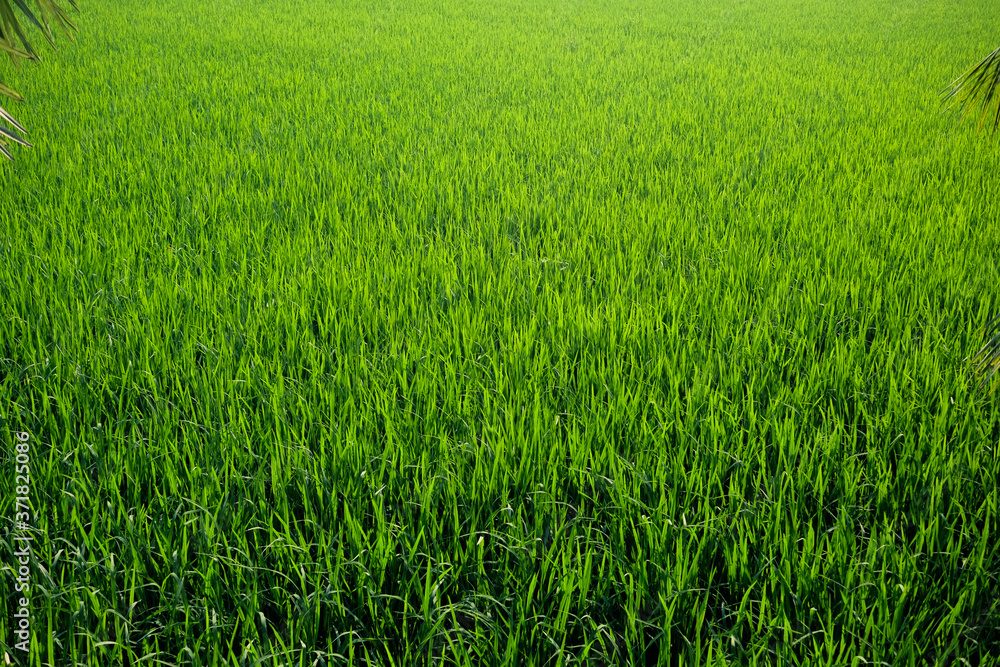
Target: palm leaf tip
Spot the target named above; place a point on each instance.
(7, 117)
(987, 360)
(979, 85)
(10, 134)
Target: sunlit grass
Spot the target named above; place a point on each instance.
(504, 333)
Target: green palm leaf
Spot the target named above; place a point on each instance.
(11, 33)
(987, 360)
(979, 84)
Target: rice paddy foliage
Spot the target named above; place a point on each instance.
(504, 333)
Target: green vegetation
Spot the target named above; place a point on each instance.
(504, 333)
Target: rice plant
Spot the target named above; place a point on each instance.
(502, 333)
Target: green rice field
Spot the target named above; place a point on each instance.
(427, 332)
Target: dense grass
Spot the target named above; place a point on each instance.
(504, 333)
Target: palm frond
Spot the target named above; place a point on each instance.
(979, 85)
(11, 33)
(987, 360)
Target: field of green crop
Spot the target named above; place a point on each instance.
(502, 333)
